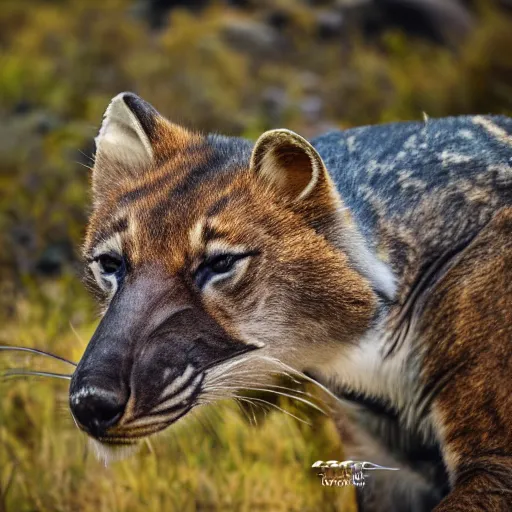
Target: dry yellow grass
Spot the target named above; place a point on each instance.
(212, 460)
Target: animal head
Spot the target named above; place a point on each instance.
(213, 256)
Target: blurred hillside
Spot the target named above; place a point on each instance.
(238, 67)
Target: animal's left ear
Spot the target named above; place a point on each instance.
(291, 164)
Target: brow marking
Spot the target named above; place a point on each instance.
(111, 244)
(195, 235)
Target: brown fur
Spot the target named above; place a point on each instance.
(468, 332)
(310, 291)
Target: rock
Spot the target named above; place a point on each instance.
(311, 108)
(330, 24)
(443, 21)
(53, 259)
(278, 18)
(275, 102)
(251, 36)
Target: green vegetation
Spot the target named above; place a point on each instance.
(60, 63)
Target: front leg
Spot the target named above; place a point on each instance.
(484, 483)
(468, 371)
(474, 427)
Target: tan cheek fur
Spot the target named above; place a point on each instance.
(286, 299)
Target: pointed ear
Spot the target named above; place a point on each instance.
(133, 138)
(290, 163)
(125, 134)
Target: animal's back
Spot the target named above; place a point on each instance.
(419, 189)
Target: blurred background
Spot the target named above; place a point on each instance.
(237, 67)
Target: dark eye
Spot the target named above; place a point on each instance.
(109, 263)
(217, 265)
(222, 264)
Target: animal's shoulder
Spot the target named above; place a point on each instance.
(418, 188)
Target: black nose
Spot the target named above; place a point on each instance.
(96, 409)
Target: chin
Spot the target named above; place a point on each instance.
(108, 453)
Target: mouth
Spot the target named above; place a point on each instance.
(113, 452)
(134, 427)
(141, 419)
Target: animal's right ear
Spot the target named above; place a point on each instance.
(132, 139)
(126, 131)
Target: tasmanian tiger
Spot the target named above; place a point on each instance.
(377, 261)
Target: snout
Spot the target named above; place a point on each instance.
(145, 365)
(96, 409)
(115, 417)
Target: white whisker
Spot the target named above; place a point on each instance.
(280, 393)
(38, 352)
(305, 377)
(288, 413)
(150, 446)
(30, 373)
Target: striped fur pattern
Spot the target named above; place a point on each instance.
(376, 261)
